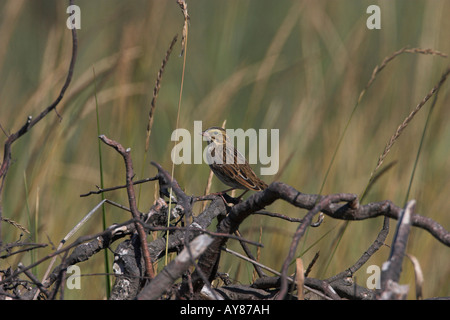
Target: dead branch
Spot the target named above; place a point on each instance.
(278, 190)
(129, 262)
(175, 269)
(324, 202)
(76, 257)
(392, 268)
(128, 282)
(125, 153)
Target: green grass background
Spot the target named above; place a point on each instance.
(296, 66)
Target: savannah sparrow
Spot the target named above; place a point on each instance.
(232, 168)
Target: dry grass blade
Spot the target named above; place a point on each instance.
(418, 275)
(208, 187)
(300, 278)
(391, 57)
(156, 90)
(375, 177)
(369, 83)
(15, 224)
(183, 6)
(407, 120)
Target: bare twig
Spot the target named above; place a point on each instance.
(311, 264)
(379, 241)
(100, 190)
(33, 278)
(30, 122)
(250, 255)
(125, 153)
(8, 247)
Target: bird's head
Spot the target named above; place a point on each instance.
(215, 135)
